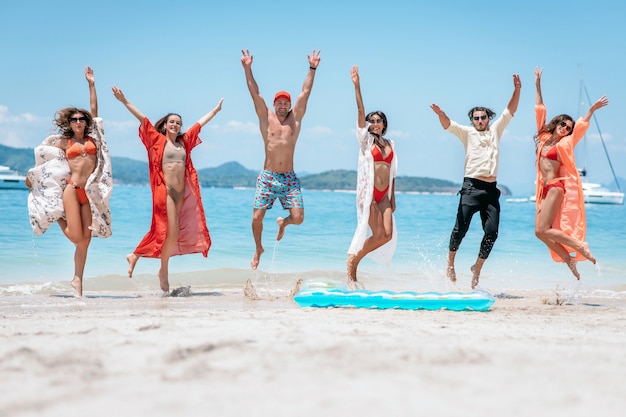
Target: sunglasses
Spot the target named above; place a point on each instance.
(375, 121)
(477, 118)
(78, 119)
(566, 126)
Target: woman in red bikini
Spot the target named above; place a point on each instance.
(72, 181)
(375, 234)
(178, 221)
(560, 220)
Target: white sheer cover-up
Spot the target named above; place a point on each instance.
(49, 178)
(364, 196)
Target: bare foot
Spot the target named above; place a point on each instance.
(281, 228)
(164, 282)
(451, 273)
(77, 284)
(475, 275)
(254, 263)
(571, 264)
(587, 253)
(355, 285)
(351, 267)
(132, 261)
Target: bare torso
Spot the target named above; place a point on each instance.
(549, 168)
(81, 166)
(381, 169)
(280, 142)
(174, 165)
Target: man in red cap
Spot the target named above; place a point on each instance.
(280, 129)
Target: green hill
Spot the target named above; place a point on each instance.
(233, 174)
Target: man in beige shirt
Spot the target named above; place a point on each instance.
(479, 191)
(280, 129)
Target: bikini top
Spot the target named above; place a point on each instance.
(174, 153)
(378, 156)
(74, 149)
(552, 154)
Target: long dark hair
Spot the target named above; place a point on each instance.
(160, 124)
(551, 126)
(62, 120)
(381, 115)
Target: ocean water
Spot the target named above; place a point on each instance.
(317, 248)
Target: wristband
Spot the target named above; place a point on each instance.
(312, 68)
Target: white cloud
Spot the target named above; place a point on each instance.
(9, 119)
(320, 131)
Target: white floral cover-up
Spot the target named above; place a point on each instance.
(49, 178)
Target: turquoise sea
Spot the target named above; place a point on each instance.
(317, 248)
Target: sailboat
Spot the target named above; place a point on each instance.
(594, 193)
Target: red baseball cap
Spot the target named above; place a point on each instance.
(282, 94)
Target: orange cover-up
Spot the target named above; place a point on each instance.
(571, 217)
(194, 235)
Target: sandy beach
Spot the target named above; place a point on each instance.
(218, 353)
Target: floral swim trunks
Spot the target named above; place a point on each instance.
(282, 185)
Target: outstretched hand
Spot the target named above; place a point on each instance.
(118, 94)
(538, 72)
(91, 79)
(219, 105)
(354, 73)
(601, 102)
(246, 59)
(314, 58)
(517, 82)
(437, 109)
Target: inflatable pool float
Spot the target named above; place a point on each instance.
(322, 292)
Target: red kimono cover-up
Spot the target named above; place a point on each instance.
(194, 234)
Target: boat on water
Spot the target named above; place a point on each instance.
(11, 179)
(597, 194)
(594, 193)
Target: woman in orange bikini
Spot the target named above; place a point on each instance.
(178, 221)
(560, 220)
(375, 234)
(72, 181)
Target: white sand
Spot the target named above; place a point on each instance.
(230, 356)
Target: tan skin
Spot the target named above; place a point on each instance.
(174, 175)
(77, 220)
(280, 130)
(381, 214)
(480, 125)
(555, 238)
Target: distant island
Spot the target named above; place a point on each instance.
(233, 174)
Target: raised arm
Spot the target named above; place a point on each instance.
(93, 98)
(300, 107)
(259, 104)
(443, 118)
(354, 72)
(538, 96)
(130, 106)
(207, 117)
(601, 102)
(517, 87)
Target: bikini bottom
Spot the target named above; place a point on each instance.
(80, 193)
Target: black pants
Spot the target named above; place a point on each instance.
(476, 196)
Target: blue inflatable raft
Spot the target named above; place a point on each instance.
(321, 292)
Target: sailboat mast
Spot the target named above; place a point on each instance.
(606, 152)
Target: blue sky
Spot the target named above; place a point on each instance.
(184, 56)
